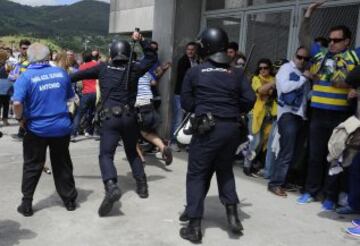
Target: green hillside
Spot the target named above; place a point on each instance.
(67, 26)
(13, 41)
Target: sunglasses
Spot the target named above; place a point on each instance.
(264, 68)
(336, 40)
(24, 48)
(305, 58)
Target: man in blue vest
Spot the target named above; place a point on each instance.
(40, 101)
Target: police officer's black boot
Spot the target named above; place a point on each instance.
(233, 219)
(25, 208)
(112, 194)
(184, 216)
(192, 231)
(142, 187)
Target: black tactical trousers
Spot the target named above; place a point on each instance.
(114, 128)
(34, 152)
(209, 153)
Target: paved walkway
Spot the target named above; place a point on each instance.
(268, 220)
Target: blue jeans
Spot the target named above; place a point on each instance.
(289, 126)
(270, 156)
(177, 116)
(87, 105)
(254, 146)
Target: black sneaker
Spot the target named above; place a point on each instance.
(25, 209)
(70, 206)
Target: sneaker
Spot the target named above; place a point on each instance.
(328, 205)
(346, 210)
(304, 199)
(356, 222)
(354, 231)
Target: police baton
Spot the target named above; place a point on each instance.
(249, 58)
(130, 61)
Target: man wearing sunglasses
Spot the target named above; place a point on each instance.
(22, 61)
(16, 71)
(330, 103)
(292, 84)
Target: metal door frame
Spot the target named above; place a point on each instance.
(296, 9)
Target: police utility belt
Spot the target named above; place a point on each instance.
(115, 111)
(206, 122)
(201, 124)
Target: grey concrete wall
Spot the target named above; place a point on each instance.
(118, 5)
(176, 22)
(127, 14)
(163, 33)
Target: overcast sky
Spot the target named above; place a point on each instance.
(49, 2)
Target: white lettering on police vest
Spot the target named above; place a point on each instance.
(218, 69)
(50, 86)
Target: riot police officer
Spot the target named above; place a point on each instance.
(218, 95)
(117, 114)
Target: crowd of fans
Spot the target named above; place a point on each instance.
(299, 104)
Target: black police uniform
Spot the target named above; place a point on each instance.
(226, 93)
(218, 95)
(120, 116)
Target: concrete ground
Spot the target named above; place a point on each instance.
(267, 219)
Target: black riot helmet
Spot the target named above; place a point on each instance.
(120, 50)
(213, 44)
